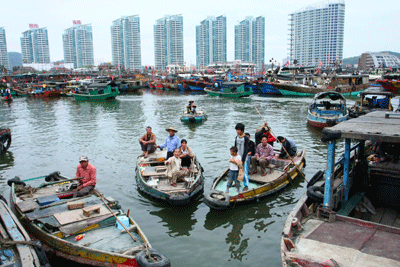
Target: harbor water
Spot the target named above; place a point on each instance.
(50, 134)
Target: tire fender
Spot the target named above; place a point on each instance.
(143, 261)
(316, 193)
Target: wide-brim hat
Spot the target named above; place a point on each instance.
(171, 128)
(191, 101)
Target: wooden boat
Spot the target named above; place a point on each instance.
(349, 218)
(281, 173)
(390, 85)
(197, 117)
(371, 100)
(89, 230)
(347, 85)
(5, 139)
(327, 109)
(98, 91)
(44, 91)
(230, 89)
(17, 248)
(151, 178)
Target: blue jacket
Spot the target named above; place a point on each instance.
(172, 143)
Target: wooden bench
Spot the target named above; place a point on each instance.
(88, 210)
(270, 168)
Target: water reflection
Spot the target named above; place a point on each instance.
(179, 221)
(6, 160)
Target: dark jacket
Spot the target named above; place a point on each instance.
(246, 148)
(252, 148)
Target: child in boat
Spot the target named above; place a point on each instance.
(235, 162)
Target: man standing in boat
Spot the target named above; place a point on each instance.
(148, 142)
(264, 130)
(242, 143)
(86, 173)
(171, 143)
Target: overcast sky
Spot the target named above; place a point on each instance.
(369, 25)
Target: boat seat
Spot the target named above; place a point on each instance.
(270, 168)
(88, 210)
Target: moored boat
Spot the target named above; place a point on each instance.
(371, 100)
(281, 174)
(230, 89)
(17, 248)
(327, 109)
(5, 139)
(98, 91)
(350, 217)
(151, 178)
(197, 117)
(92, 229)
(390, 85)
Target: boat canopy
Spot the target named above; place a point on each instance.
(330, 94)
(99, 85)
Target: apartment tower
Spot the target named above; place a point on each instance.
(250, 41)
(35, 45)
(316, 34)
(78, 45)
(3, 49)
(211, 41)
(168, 41)
(125, 42)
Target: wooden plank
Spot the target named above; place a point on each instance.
(377, 217)
(58, 209)
(351, 204)
(27, 205)
(77, 215)
(389, 217)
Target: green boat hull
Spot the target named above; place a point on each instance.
(100, 97)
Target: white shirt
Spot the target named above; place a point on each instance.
(233, 166)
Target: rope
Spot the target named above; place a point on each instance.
(10, 243)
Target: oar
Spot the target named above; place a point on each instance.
(283, 147)
(102, 199)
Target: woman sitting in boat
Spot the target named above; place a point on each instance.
(175, 171)
(186, 154)
(191, 108)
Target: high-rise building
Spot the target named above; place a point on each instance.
(78, 45)
(316, 34)
(250, 41)
(125, 43)
(35, 45)
(371, 60)
(211, 41)
(168, 41)
(3, 49)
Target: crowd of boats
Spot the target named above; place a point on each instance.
(349, 216)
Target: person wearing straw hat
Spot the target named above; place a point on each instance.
(191, 108)
(172, 142)
(86, 174)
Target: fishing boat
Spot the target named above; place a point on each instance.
(5, 139)
(230, 89)
(349, 216)
(281, 173)
(44, 91)
(347, 85)
(98, 91)
(197, 117)
(371, 100)
(92, 229)
(151, 178)
(390, 85)
(327, 109)
(17, 248)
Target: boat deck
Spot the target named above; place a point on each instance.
(350, 244)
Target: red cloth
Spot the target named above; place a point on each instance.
(89, 174)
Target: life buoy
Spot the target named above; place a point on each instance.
(353, 88)
(338, 89)
(143, 260)
(217, 200)
(316, 193)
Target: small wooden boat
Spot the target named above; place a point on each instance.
(197, 117)
(230, 89)
(91, 229)
(151, 178)
(349, 215)
(5, 139)
(98, 91)
(327, 109)
(371, 100)
(44, 92)
(17, 248)
(281, 173)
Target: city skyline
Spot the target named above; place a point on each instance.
(363, 24)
